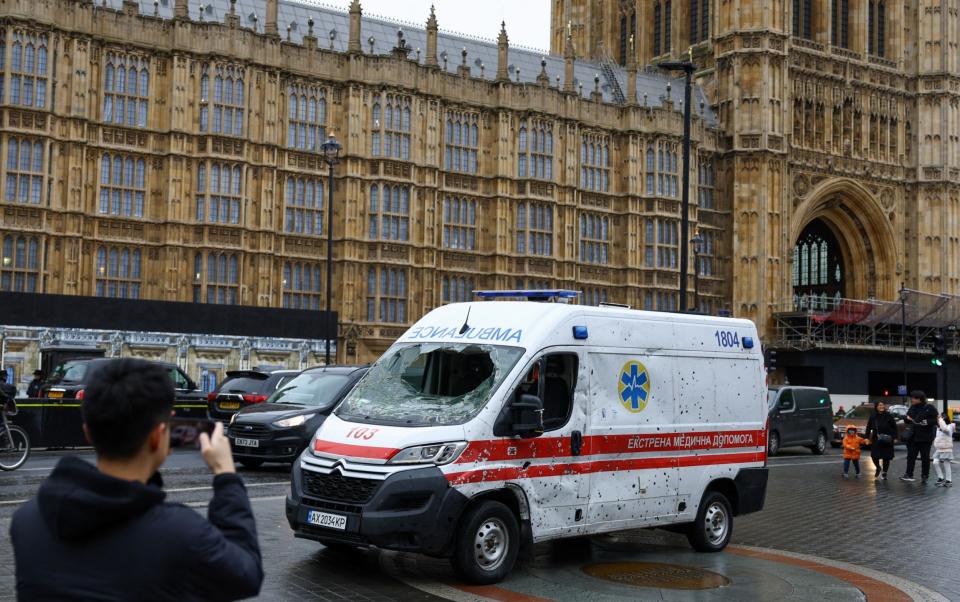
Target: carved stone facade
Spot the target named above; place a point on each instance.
(840, 114)
(175, 156)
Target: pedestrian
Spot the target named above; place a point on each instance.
(105, 532)
(851, 450)
(840, 412)
(882, 432)
(943, 451)
(33, 389)
(921, 422)
(7, 391)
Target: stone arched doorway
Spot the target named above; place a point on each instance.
(860, 243)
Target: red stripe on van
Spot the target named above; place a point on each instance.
(553, 470)
(354, 451)
(559, 447)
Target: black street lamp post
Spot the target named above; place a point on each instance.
(688, 68)
(331, 154)
(697, 241)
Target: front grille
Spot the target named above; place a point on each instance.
(249, 431)
(339, 488)
(332, 506)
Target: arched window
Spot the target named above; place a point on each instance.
(306, 117)
(301, 286)
(820, 265)
(20, 264)
(126, 90)
(840, 23)
(803, 18)
(228, 104)
(118, 272)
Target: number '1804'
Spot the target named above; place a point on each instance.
(727, 339)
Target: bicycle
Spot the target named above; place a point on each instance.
(14, 442)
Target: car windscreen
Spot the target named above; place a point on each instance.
(315, 389)
(244, 384)
(423, 384)
(860, 412)
(69, 372)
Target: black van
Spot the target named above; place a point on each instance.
(799, 416)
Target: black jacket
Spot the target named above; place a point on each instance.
(7, 391)
(33, 389)
(89, 536)
(923, 433)
(886, 424)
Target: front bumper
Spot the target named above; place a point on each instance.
(411, 510)
(273, 444)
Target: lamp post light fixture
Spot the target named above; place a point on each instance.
(330, 151)
(697, 241)
(688, 69)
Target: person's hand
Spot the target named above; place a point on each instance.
(216, 451)
(907, 419)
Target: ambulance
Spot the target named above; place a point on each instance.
(493, 425)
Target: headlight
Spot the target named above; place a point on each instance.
(439, 453)
(294, 421)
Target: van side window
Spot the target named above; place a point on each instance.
(786, 400)
(812, 399)
(559, 382)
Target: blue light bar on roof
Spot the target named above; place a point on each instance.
(550, 293)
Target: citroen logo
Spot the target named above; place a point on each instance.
(248, 428)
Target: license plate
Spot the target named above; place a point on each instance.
(55, 394)
(324, 519)
(230, 405)
(247, 442)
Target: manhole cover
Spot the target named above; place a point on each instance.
(655, 574)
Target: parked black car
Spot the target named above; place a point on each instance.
(278, 430)
(244, 388)
(67, 382)
(799, 416)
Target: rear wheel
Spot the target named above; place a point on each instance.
(820, 446)
(712, 529)
(251, 463)
(487, 543)
(14, 447)
(773, 443)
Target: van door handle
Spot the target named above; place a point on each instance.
(576, 443)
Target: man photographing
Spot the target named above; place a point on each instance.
(105, 532)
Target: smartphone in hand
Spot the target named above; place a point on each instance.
(185, 432)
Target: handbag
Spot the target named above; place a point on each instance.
(884, 438)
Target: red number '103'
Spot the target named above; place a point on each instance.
(361, 432)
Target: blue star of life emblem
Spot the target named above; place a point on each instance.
(634, 386)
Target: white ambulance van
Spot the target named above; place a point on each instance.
(493, 425)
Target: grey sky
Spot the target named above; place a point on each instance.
(528, 21)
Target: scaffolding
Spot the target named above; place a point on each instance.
(838, 323)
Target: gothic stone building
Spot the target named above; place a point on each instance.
(170, 151)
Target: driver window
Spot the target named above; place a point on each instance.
(786, 401)
(553, 379)
(179, 381)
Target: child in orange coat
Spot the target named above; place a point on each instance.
(851, 450)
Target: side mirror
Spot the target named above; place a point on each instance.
(191, 386)
(527, 414)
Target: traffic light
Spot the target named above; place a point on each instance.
(770, 359)
(939, 349)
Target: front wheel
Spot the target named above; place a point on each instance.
(712, 529)
(14, 448)
(820, 446)
(487, 543)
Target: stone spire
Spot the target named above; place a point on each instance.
(181, 10)
(431, 60)
(632, 73)
(354, 45)
(271, 28)
(569, 55)
(502, 46)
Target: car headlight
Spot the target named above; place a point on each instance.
(293, 421)
(438, 453)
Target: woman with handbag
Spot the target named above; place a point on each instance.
(882, 432)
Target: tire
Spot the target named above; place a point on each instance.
(773, 443)
(820, 446)
(711, 530)
(487, 543)
(251, 463)
(14, 447)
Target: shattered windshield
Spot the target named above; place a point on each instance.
(426, 384)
